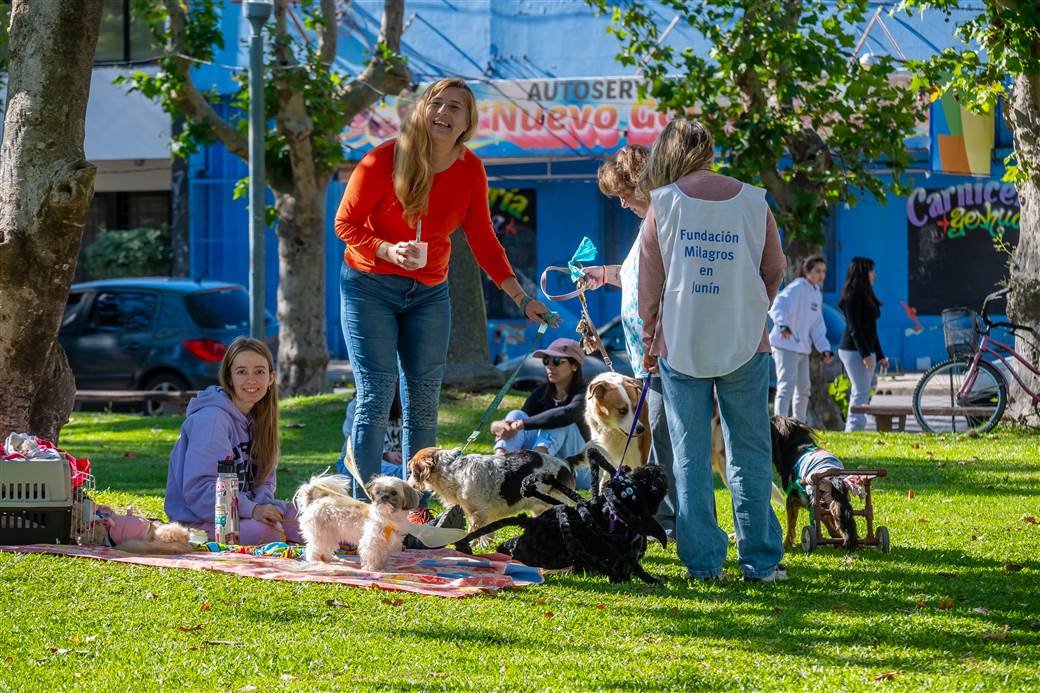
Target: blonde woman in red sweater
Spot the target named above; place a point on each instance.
(393, 286)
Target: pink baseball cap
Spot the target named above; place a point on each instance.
(564, 348)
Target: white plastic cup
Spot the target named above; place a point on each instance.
(424, 251)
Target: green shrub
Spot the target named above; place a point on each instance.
(130, 253)
(839, 390)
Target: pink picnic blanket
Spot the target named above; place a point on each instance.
(439, 572)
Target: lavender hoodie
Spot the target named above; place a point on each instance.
(215, 430)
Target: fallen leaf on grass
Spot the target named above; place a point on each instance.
(887, 676)
(944, 573)
(848, 559)
(336, 602)
(910, 494)
(540, 601)
(63, 651)
(920, 605)
(129, 453)
(922, 520)
(1013, 567)
(191, 629)
(1030, 520)
(601, 605)
(549, 614)
(878, 441)
(205, 606)
(980, 610)
(396, 601)
(675, 610)
(229, 643)
(840, 606)
(998, 635)
(977, 537)
(916, 446)
(502, 669)
(150, 595)
(946, 603)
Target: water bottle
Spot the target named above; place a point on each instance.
(225, 513)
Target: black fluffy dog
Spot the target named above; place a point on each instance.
(798, 459)
(605, 535)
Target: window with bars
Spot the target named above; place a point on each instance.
(123, 38)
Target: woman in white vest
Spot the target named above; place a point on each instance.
(710, 264)
(798, 325)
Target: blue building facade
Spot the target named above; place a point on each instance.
(554, 103)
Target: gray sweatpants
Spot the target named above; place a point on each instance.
(792, 383)
(863, 380)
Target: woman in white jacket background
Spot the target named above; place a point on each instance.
(798, 325)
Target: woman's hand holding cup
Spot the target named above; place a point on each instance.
(408, 255)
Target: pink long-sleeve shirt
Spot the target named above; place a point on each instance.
(703, 185)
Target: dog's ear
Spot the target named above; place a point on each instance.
(653, 528)
(422, 465)
(411, 497)
(597, 388)
(632, 387)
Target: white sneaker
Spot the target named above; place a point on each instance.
(779, 574)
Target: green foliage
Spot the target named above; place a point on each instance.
(5, 20)
(132, 253)
(1008, 34)
(931, 615)
(779, 88)
(839, 389)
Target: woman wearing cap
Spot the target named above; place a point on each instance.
(393, 284)
(552, 419)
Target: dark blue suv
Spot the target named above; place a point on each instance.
(153, 333)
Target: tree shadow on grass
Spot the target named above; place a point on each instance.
(917, 600)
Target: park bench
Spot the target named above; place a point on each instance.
(173, 399)
(885, 414)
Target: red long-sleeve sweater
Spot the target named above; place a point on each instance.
(370, 213)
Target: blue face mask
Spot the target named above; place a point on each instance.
(585, 253)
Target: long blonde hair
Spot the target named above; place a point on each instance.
(413, 152)
(684, 146)
(264, 413)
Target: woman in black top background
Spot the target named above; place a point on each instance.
(860, 349)
(552, 419)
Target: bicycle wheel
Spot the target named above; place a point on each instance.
(939, 409)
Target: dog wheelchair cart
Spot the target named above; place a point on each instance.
(812, 535)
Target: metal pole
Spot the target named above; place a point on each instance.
(257, 12)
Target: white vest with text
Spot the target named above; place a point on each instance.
(714, 307)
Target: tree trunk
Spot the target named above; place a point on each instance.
(303, 353)
(469, 361)
(823, 412)
(179, 229)
(1024, 299)
(46, 187)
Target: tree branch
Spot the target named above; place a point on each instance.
(382, 75)
(327, 37)
(188, 97)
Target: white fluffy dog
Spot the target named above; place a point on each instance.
(330, 516)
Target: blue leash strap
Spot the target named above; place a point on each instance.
(635, 422)
(551, 318)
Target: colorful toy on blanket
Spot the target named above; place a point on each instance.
(274, 549)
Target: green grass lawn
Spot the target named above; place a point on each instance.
(956, 605)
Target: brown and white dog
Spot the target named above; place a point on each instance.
(610, 404)
(610, 400)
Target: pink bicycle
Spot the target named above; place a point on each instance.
(968, 392)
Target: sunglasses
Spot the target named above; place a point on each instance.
(555, 360)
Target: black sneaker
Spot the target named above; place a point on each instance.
(779, 574)
(452, 518)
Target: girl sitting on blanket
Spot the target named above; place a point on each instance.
(236, 420)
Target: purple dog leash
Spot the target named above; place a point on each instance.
(635, 422)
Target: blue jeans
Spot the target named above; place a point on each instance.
(743, 397)
(661, 452)
(387, 468)
(394, 325)
(558, 442)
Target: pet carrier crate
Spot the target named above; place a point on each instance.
(36, 501)
(960, 331)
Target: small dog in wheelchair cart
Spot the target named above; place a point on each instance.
(816, 479)
(605, 535)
